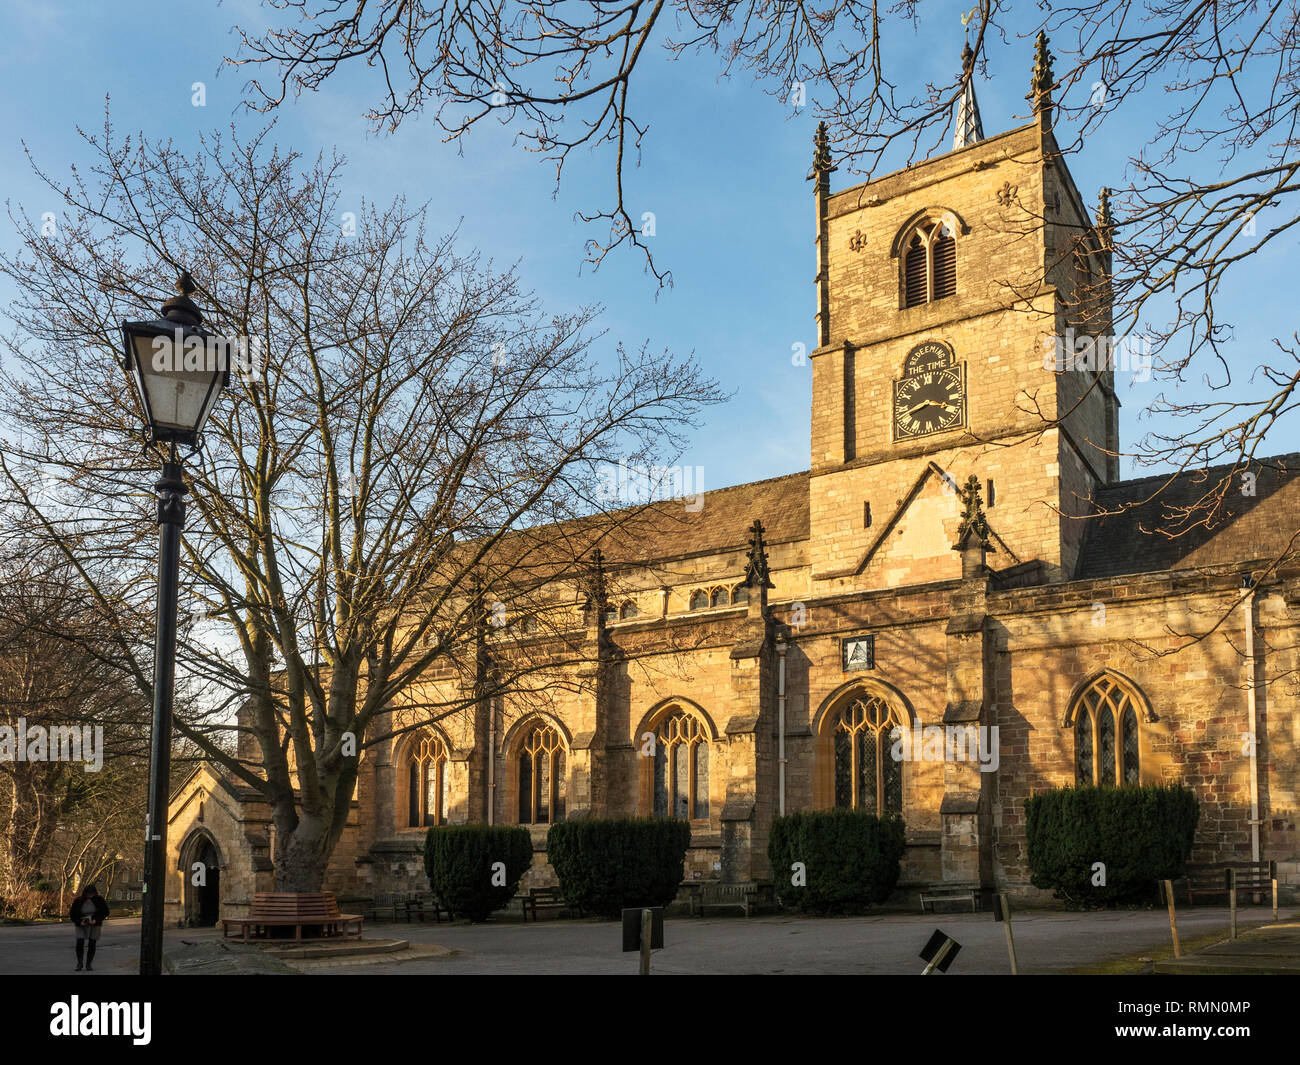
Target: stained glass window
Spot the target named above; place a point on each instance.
(428, 790)
(1083, 748)
(541, 776)
(681, 767)
(1106, 746)
(867, 776)
(1129, 730)
(1107, 734)
(843, 768)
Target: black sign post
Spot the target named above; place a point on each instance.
(939, 952)
(1002, 912)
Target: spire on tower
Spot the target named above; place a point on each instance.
(969, 128)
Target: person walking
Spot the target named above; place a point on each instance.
(88, 913)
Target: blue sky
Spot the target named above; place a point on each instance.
(723, 169)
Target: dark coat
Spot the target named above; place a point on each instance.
(101, 910)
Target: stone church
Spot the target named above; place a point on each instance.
(960, 559)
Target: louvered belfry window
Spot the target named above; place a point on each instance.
(930, 265)
(916, 272)
(945, 267)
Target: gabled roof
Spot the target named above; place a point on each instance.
(1138, 534)
(720, 522)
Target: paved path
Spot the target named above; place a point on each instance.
(1273, 950)
(1046, 942)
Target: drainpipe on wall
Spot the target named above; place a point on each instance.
(492, 762)
(1248, 607)
(781, 648)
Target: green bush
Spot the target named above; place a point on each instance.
(1142, 835)
(606, 865)
(851, 859)
(459, 861)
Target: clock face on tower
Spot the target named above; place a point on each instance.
(930, 397)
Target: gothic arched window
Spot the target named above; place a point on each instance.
(681, 782)
(930, 264)
(867, 776)
(1107, 742)
(541, 776)
(740, 594)
(699, 599)
(718, 597)
(428, 788)
(628, 610)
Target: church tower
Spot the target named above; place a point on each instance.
(948, 296)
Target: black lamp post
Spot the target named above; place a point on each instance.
(179, 374)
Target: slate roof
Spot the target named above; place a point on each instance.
(668, 530)
(646, 534)
(1141, 535)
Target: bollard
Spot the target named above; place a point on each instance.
(1232, 901)
(647, 934)
(1167, 889)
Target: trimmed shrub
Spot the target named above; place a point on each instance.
(851, 858)
(606, 865)
(459, 859)
(1141, 835)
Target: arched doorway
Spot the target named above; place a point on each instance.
(209, 901)
(201, 872)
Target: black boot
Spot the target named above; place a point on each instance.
(90, 954)
(81, 946)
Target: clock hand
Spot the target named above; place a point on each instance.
(927, 403)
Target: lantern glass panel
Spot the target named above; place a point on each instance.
(179, 382)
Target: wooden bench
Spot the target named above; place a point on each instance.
(747, 897)
(548, 898)
(694, 892)
(963, 895)
(382, 904)
(294, 910)
(1255, 878)
(417, 905)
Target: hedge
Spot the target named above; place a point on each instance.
(459, 861)
(850, 859)
(1140, 835)
(606, 865)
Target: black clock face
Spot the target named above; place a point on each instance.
(930, 402)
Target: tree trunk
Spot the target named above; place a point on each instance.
(301, 856)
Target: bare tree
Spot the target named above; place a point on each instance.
(405, 463)
(1219, 77)
(59, 683)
